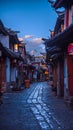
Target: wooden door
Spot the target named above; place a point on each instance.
(2, 71)
(62, 78)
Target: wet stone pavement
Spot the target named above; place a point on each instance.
(35, 108)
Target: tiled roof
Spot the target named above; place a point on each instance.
(61, 39)
(59, 22)
(57, 45)
(62, 3)
(12, 34)
(9, 53)
(2, 29)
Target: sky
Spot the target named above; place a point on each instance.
(32, 18)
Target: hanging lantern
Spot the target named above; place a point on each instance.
(70, 49)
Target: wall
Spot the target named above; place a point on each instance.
(13, 74)
(4, 40)
(71, 15)
(7, 70)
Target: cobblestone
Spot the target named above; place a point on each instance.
(35, 108)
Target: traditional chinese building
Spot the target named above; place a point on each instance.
(10, 57)
(60, 49)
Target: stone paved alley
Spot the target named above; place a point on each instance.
(35, 108)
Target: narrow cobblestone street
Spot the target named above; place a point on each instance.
(35, 108)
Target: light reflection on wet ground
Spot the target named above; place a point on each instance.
(35, 107)
(40, 110)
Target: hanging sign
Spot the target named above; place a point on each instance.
(70, 49)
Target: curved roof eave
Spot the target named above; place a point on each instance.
(61, 39)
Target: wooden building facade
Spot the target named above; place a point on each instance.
(10, 57)
(59, 49)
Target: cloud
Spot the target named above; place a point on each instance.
(42, 46)
(37, 40)
(34, 46)
(28, 36)
(20, 39)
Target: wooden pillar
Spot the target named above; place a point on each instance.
(55, 77)
(2, 72)
(70, 74)
(60, 80)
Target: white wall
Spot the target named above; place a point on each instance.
(4, 40)
(7, 70)
(13, 74)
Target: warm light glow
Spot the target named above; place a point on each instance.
(46, 72)
(50, 59)
(62, 27)
(16, 47)
(52, 33)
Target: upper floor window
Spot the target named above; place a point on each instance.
(15, 47)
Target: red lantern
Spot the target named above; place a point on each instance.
(70, 49)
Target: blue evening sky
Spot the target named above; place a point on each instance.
(30, 17)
